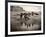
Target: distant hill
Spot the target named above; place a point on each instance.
(16, 8)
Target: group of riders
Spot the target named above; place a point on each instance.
(25, 17)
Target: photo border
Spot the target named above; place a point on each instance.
(6, 18)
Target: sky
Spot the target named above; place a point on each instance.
(31, 8)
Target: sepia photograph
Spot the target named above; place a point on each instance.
(24, 18)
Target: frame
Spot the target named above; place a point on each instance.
(16, 6)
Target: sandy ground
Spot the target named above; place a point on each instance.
(17, 26)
